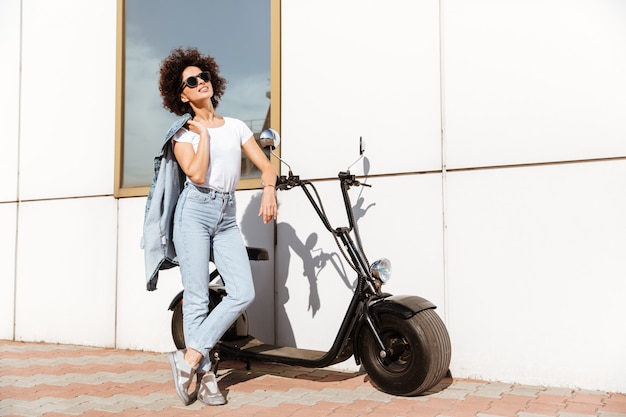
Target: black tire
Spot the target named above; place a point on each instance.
(178, 333)
(177, 326)
(421, 353)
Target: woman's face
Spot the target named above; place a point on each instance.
(195, 86)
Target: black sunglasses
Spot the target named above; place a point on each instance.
(192, 82)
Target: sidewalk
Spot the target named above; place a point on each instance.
(61, 380)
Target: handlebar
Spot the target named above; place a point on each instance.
(350, 180)
(287, 182)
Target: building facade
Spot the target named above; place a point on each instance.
(495, 146)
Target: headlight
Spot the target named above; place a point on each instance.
(381, 269)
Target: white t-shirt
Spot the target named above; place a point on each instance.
(225, 152)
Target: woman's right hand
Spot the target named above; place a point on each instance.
(198, 128)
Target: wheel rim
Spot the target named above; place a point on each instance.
(400, 355)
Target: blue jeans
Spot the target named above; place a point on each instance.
(205, 220)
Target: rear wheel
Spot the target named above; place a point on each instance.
(178, 334)
(419, 353)
(177, 326)
(238, 329)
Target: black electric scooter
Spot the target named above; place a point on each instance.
(401, 342)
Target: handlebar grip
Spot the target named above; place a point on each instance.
(281, 180)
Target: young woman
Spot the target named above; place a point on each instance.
(208, 150)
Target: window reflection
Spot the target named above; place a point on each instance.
(235, 32)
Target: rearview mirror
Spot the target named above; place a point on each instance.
(269, 138)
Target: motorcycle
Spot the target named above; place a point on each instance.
(400, 341)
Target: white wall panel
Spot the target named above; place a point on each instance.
(8, 225)
(9, 91)
(532, 81)
(404, 223)
(67, 98)
(536, 274)
(143, 320)
(355, 68)
(66, 258)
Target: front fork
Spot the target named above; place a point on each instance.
(383, 352)
(403, 306)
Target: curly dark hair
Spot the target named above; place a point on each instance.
(171, 78)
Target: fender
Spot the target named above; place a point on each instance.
(176, 300)
(403, 306)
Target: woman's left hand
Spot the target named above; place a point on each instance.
(269, 208)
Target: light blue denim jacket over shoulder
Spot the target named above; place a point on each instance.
(167, 184)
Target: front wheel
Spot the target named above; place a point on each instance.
(419, 353)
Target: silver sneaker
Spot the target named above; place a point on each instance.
(183, 375)
(209, 391)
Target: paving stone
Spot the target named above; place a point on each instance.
(611, 414)
(453, 393)
(469, 385)
(493, 390)
(564, 392)
(488, 393)
(524, 391)
(524, 414)
(566, 414)
(490, 415)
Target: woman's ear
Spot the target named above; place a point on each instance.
(184, 98)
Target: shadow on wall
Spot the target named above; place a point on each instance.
(314, 260)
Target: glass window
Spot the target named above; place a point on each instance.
(237, 33)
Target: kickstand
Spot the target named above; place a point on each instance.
(215, 361)
(248, 367)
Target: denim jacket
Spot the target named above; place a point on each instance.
(167, 184)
